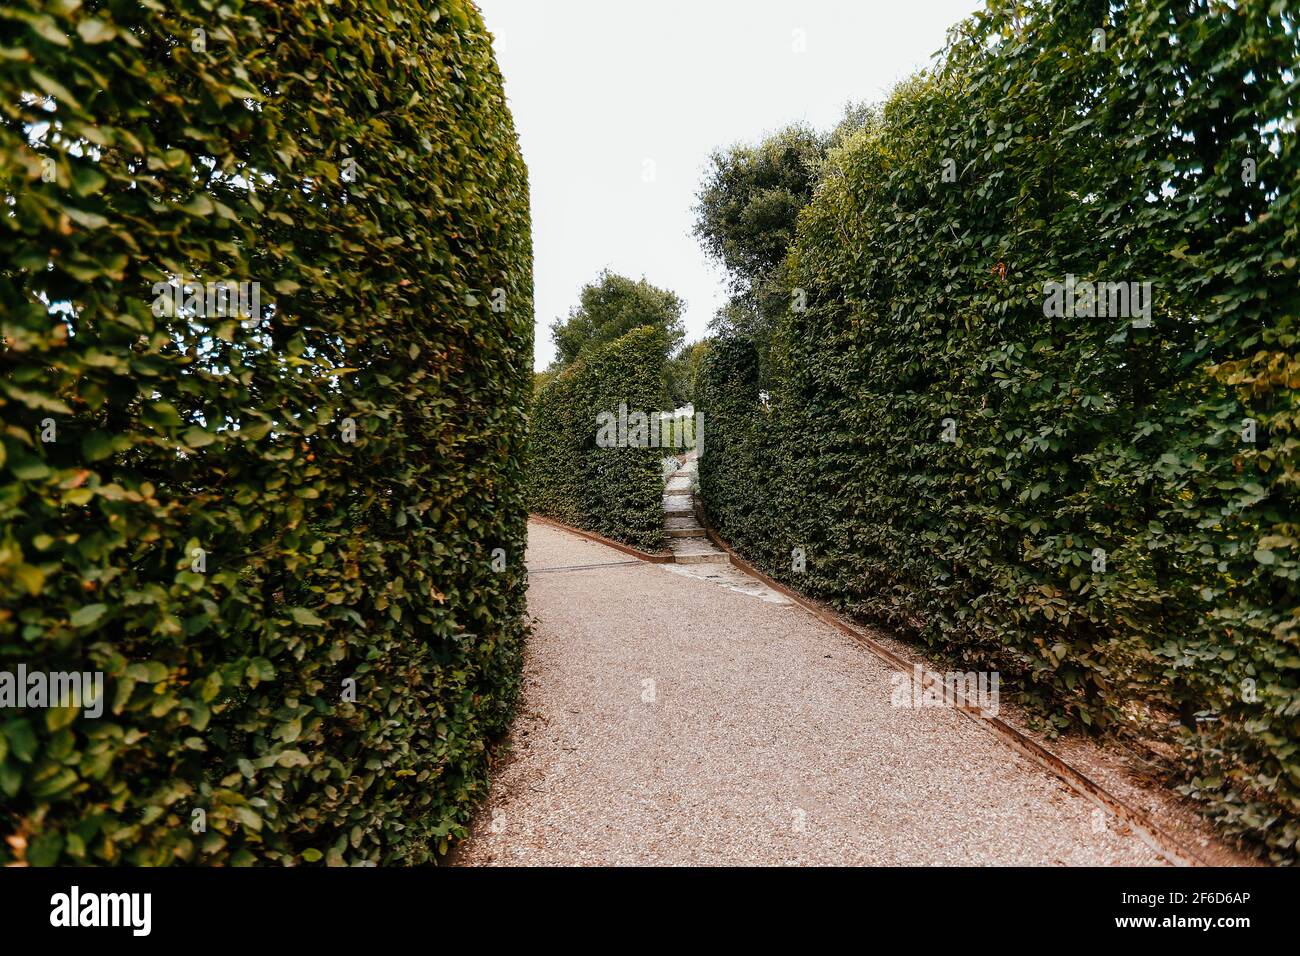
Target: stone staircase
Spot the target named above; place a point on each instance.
(686, 537)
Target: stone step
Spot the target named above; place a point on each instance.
(701, 557)
(677, 492)
(694, 546)
(696, 532)
(681, 521)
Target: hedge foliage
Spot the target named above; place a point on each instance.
(1118, 156)
(235, 520)
(613, 491)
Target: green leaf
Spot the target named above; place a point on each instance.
(88, 220)
(289, 730)
(163, 415)
(210, 687)
(97, 445)
(305, 616)
(36, 400)
(57, 718)
(197, 437)
(22, 741)
(148, 672)
(48, 29)
(93, 30)
(30, 577)
(86, 181)
(199, 205)
(87, 615)
(54, 88)
(11, 778)
(45, 849)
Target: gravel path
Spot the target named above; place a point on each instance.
(671, 717)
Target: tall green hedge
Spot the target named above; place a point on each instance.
(246, 523)
(613, 491)
(1099, 523)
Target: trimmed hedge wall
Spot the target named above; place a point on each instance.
(616, 492)
(1113, 516)
(246, 524)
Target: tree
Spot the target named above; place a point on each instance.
(746, 218)
(750, 202)
(748, 207)
(611, 307)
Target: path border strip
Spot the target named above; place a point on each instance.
(601, 539)
(582, 567)
(1142, 825)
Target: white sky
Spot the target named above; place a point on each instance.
(600, 87)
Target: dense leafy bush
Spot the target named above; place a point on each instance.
(682, 370)
(614, 491)
(1106, 509)
(245, 523)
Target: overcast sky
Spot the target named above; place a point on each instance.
(618, 104)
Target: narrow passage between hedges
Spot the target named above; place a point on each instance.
(671, 714)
